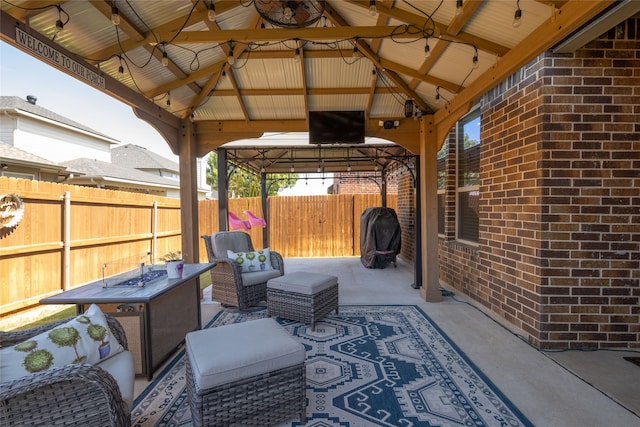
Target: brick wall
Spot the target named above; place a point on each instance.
(406, 211)
(362, 183)
(591, 203)
(400, 182)
(559, 247)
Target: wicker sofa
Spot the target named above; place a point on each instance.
(230, 285)
(71, 395)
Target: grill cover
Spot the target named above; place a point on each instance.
(380, 237)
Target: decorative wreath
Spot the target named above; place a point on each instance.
(11, 210)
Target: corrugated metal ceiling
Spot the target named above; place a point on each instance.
(268, 87)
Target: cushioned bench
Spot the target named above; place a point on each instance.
(245, 374)
(303, 297)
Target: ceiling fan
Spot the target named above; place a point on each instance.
(291, 13)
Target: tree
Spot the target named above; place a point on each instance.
(243, 184)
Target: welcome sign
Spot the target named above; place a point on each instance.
(58, 59)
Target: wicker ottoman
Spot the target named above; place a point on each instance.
(245, 374)
(303, 297)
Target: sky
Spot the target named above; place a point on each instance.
(22, 75)
(309, 186)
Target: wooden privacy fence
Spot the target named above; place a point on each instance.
(319, 226)
(300, 226)
(68, 233)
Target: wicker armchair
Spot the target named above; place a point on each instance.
(72, 395)
(230, 286)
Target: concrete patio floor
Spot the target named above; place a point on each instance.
(552, 389)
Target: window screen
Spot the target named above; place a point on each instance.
(442, 180)
(468, 176)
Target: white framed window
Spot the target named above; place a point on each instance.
(18, 175)
(441, 158)
(468, 171)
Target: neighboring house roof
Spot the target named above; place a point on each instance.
(136, 157)
(99, 170)
(11, 154)
(17, 103)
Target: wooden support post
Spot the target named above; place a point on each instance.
(188, 193)
(430, 289)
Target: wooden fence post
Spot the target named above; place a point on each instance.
(154, 231)
(66, 244)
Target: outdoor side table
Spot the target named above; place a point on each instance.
(303, 297)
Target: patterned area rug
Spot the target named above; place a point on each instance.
(367, 366)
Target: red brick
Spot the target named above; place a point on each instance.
(559, 211)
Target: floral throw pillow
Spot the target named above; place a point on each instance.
(84, 339)
(252, 261)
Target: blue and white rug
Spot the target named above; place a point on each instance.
(367, 366)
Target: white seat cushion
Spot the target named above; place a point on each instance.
(230, 353)
(303, 283)
(121, 368)
(255, 277)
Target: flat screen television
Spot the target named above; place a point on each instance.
(336, 127)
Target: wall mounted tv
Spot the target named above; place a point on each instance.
(336, 127)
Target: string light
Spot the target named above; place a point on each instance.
(230, 59)
(439, 97)
(517, 17)
(288, 13)
(115, 16)
(59, 23)
(408, 108)
(297, 55)
(211, 12)
(373, 10)
(168, 99)
(116, 20)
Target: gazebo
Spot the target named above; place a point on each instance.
(207, 73)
